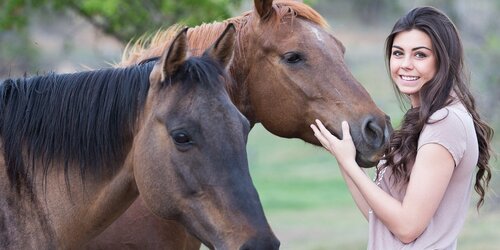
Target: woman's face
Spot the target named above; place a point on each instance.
(412, 63)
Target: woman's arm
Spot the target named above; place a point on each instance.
(429, 179)
(356, 195)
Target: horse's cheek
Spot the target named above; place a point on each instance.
(150, 159)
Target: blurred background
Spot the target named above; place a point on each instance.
(303, 194)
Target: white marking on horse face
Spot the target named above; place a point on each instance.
(317, 33)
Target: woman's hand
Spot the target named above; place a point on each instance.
(343, 150)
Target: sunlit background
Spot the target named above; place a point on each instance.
(303, 194)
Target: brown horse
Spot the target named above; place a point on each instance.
(289, 70)
(77, 149)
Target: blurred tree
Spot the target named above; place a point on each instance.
(485, 58)
(122, 19)
(373, 10)
(366, 12)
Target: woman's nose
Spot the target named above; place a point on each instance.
(406, 63)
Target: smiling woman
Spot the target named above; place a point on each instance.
(412, 63)
(431, 158)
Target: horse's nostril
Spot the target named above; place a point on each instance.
(372, 133)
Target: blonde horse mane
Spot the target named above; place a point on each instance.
(202, 36)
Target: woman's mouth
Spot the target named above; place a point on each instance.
(409, 78)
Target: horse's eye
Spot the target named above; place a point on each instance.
(292, 57)
(181, 138)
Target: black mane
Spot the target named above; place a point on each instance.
(200, 71)
(85, 119)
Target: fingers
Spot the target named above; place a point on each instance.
(320, 129)
(320, 136)
(324, 136)
(338, 148)
(316, 130)
(324, 131)
(346, 134)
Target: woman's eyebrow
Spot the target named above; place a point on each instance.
(421, 47)
(416, 48)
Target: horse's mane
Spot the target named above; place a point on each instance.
(202, 36)
(85, 119)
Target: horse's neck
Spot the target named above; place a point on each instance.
(23, 222)
(23, 227)
(81, 213)
(55, 218)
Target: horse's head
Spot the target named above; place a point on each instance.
(297, 73)
(189, 157)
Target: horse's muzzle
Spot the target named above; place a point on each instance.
(265, 243)
(375, 135)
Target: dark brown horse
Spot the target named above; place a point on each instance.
(77, 149)
(289, 70)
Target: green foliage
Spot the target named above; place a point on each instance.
(122, 19)
(13, 12)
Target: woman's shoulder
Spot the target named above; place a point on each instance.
(452, 123)
(454, 114)
(451, 127)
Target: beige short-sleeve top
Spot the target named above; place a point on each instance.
(453, 128)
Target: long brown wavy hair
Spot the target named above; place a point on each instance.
(449, 77)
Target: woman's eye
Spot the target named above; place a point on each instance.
(420, 55)
(397, 53)
(292, 57)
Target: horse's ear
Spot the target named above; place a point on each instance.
(175, 55)
(222, 49)
(264, 8)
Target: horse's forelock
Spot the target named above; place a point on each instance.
(201, 71)
(286, 9)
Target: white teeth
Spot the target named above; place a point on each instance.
(410, 78)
